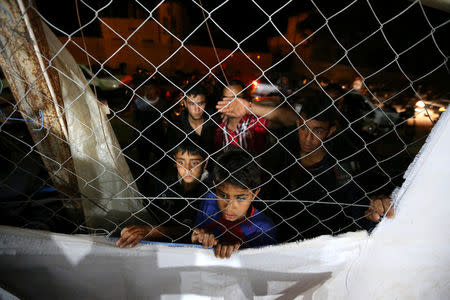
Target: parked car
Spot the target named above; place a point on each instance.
(102, 80)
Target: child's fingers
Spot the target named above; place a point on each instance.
(124, 235)
(125, 241)
(204, 239)
(230, 250)
(124, 231)
(220, 250)
(133, 239)
(195, 235)
(217, 250)
(372, 215)
(211, 240)
(135, 242)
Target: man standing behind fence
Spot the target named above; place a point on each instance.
(193, 120)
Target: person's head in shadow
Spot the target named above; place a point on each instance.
(317, 123)
(190, 161)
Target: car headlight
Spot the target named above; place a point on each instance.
(420, 104)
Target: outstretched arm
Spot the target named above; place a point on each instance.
(239, 107)
(130, 236)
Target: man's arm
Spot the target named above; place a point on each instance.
(239, 107)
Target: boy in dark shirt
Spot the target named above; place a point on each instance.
(228, 220)
(194, 120)
(176, 205)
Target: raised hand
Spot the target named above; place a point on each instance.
(233, 107)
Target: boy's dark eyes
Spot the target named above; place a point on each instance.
(226, 197)
(198, 103)
(220, 195)
(318, 131)
(315, 130)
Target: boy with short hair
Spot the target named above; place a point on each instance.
(228, 219)
(176, 206)
(194, 120)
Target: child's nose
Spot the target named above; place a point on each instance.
(229, 202)
(309, 135)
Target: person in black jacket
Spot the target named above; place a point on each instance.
(176, 202)
(194, 120)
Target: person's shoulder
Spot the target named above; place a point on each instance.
(261, 220)
(209, 202)
(210, 196)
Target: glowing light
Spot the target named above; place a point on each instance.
(420, 104)
(258, 57)
(257, 98)
(255, 84)
(357, 84)
(442, 109)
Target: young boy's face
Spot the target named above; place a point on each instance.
(189, 166)
(195, 106)
(312, 133)
(234, 201)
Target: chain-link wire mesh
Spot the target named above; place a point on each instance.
(124, 118)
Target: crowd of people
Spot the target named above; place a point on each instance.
(230, 173)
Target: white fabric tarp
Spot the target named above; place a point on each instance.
(405, 258)
(101, 169)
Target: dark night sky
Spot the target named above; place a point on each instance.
(242, 18)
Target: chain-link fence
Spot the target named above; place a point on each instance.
(130, 113)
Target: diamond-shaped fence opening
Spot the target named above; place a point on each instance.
(259, 123)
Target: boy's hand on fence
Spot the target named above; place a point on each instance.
(236, 108)
(225, 251)
(379, 205)
(202, 237)
(130, 236)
